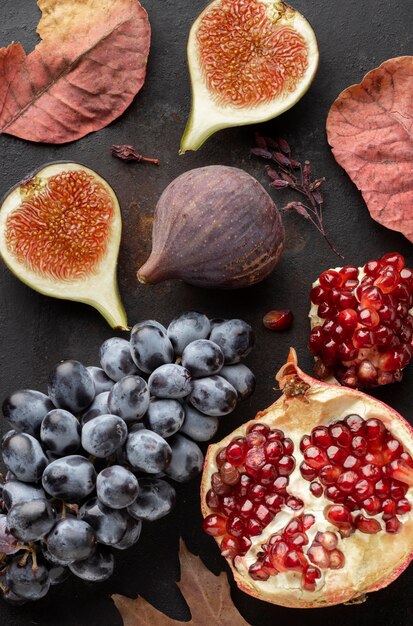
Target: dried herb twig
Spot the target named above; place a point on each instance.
(128, 153)
(288, 172)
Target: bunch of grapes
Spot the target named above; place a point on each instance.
(86, 463)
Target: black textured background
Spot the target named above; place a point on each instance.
(36, 332)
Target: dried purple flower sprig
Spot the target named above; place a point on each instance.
(288, 172)
(128, 153)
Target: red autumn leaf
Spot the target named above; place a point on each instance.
(370, 130)
(84, 73)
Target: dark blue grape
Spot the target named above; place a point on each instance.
(198, 426)
(9, 544)
(60, 432)
(96, 568)
(117, 487)
(241, 378)
(170, 381)
(155, 500)
(99, 406)
(186, 328)
(202, 358)
(109, 525)
(70, 478)
(71, 540)
(213, 396)
(30, 521)
(103, 435)
(150, 347)
(236, 339)
(71, 386)
(15, 491)
(58, 574)
(23, 455)
(101, 380)
(25, 410)
(131, 534)
(164, 417)
(151, 323)
(10, 597)
(129, 398)
(116, 359)
(147, 452)
(187, 459)
(216, 321)
(27, 581)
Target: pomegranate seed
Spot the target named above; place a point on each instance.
(393, 258)
(329, 352)
(372, 505)
(305, 443)
(326, 311)
(236, 451)
(336, 455)
(246, 508)
(214, 525)
(318, 294)
(278, 554)
(235, 526)
(330, 279)
(286, 465)
(363, 489)
(319, 556)
(349, 271)
(387, 279)
(375, 430)
(387, 314)
(315, 457)
(402, 310)
(293, 561)
(267, 565)
(370, 297)
(316, 340)
(274, 502)
(359, 446)
(257, 493)
(382, 488)
(376, 458)
(383, 335)
(229, 504)
(401, 471)
(218, 485)
(221, 457)
(346, 351)
(367, 373)
(341, 434)
(280, 485)
(337, 559)
(311, 574)
(403, 506)
(350, 284)
(405, 333)
(294, 526)
(308, 520)
(372, 268)
(258, 572)
(320, 437)
(346, 300)
(213, 501)
(298, 540)
(316, 489)
(351, 463)
(288, 446)
(307, 472)
(267, 474)
(392, 450)
(263, 515)
(329, 474)
(351, 503)
(368, 526)
(393, 525)
(402, 292)
(328, 540)
(406, 275)
(229, 474)
(355, 423)
(346, 481)
(346, 530)
(229, 547)
(273, 450)
(294, 503)
(363, 338)
(258, 427)
(241, 489)
(255, 439)
(397, 489)
(333, 493)
(395, 359)
(369, 317)
(405, 456)
(338, 514)
(254, 461)
(275, 435)
(278, 320)
(389, 508)
(244, 544)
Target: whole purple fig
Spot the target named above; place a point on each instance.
(214, 226)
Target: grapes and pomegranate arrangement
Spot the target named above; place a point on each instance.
(90, 461)
(311, 502)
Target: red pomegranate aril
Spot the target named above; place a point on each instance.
(257, 493)
(346, 481)
(318, 294)
(236, 451)
(288, 446)
(259, 427)
(298, 540)
(370, 297)
(320, 437)
(336, 455)
(218, 485)
(316, 340)
(280, 485)
(363, 489)
(359, 446)
(405, 456)
(351, 463)
(307, 472)
(310, 576)
(213, 500)
(267, 565)
(229, 504)
(330, 279)
(316, 489)
(349, 271)
(402, 310)
(348, 319)
(254, 461)
(346, 351)
(405, 333)
(402, 292)
(397, 489)
(372, 505)
(214, 525)
(337, 559)
(294, 503)
(258, 572)
(369, 317)
(367, 373)
(278, 553)
(293, 561)
(341, 434)
(275, 435)
(273, 451)
(351, 503)
(403, 506)
(315, 457)
(294, 526)
(328, 540)
(319, 556)
(383, 335)
(363, 338)
(375, 430)
(278, 320)
(393, 258)
(374, 457)
(368, 526)
(305, 442)
(326, 311)
(274, 502)
(382, 488)
(338, 514)
(333, 493)
(387, 279)
(235, 526)
(346, 300)
(329, 474)
(255, 439)
(244, 484)
(329, 351)
(372, 268)
(267, 474)
(263, 515)
(406, 275)
(244, 544)
(395, 359)
(229, 474)
(355, 423)
(286, 465)
(388, 508)
(221, 457)
(350, 284)
(230, 547)
(400, 470)
(393, 525)
(346, 530)
(245, 508)
(392, 449)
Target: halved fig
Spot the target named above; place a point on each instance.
(311, 502)
(249, 61)
(60, 233)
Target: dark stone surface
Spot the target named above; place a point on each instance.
(36, 332)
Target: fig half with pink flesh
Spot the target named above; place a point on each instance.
(60, 233)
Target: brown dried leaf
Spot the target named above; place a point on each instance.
(84, 73)
(370, 130)
(208, 597)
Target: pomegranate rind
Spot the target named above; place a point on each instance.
(98, 287)
(208, 115)
(372, 561)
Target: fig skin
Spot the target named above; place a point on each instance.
(214, 226)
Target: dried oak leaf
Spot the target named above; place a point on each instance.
(208, 597)
(86, 70)
(370, 130)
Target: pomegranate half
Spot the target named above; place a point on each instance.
(311, 501)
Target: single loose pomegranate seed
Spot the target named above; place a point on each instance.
(316, 489)
(340, 434)
(368, 526)
(213, 501)
(393, 525)
(338, 514)
(229, 474)
(315, 457)
(337, 559)
(401, 471)
(236, 451)
(230, 547)
(278, 320)
(214, 525)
